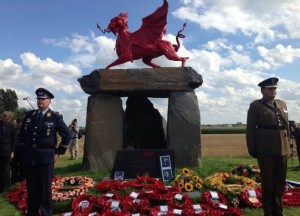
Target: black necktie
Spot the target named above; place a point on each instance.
(40, 115)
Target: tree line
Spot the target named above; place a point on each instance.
(9, 102)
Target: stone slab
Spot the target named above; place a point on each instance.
(149, 82)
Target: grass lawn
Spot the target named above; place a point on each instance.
(211, 165)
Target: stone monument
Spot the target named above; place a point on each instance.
(109, 128)
(105, 115)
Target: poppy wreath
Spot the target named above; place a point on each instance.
(146, 182)
(206, 198)
(251, 202)
(293, 190)
(181, 201)
(156, 210)
(111, 186)
(215, 204)
(104, 201)
(232, 211)
(66, 188)
(114, 213)
(113, 207)
(291, 197)
(205, 210)
(132, 205)
(17, 195)
(163, 193)
(84, 204)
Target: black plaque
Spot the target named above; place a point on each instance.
(136, 163)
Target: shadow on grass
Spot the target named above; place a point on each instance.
(294, 168)
(67, 167)
(70, 169)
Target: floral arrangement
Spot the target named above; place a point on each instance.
(248, 170)
(63, 188)
(144, 200)
(291, 197)
(188, 180)
(221, 194)
(66, 188)
(230, 185)
(251, 198)
(19, 196)
(219, 203)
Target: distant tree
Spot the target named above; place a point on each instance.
(20, 112)
(8, 100)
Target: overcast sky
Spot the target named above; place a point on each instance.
(233, 44)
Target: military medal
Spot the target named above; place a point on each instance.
(48, 131)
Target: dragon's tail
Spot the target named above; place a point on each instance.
(179, 35)
(103, 31)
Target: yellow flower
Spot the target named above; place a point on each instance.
(196, 178)
(186, 171)
(188, 187)
(198, 185)
(181, 185)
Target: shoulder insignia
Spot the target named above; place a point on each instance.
(278, 100)
(56, 113)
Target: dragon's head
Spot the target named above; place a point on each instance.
(118, 23)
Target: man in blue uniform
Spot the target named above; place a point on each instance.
(39, 135)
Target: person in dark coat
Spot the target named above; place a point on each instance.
(268, 140)
(295, 134)
(7, 144)
(17, 167)
(39, 135)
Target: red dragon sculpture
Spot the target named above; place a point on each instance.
(146, 43)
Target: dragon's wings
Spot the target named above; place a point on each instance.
(153, 27)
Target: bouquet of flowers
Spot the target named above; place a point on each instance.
(249, 171)
(187, 180)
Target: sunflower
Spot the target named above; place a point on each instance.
(188, 187)
(181, 185)
(186, 171)
(198, 186)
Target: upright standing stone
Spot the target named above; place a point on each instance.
(143, 128)
(183, 134)
(104, 131)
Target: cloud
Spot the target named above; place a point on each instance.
(279, 55)
(258, 19)
(77, 43)
(8, 69)
(48, 66)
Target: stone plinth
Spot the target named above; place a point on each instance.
(104, 132)
(149, 82)
(183, 134)
(104, 124)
